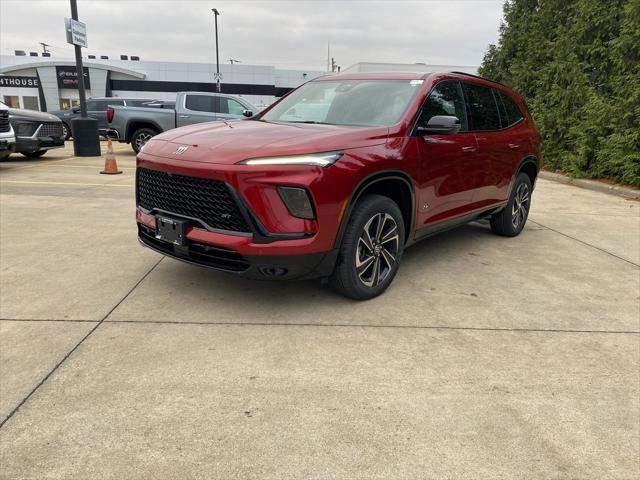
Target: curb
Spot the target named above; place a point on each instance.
(625, 192)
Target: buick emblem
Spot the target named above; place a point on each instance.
(181, 149)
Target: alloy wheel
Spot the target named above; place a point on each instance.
(377, 249)
(141, 140)
(520, 206)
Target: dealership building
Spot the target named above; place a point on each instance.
(49, 83)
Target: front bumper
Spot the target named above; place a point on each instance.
(276, 245)
(258, 267)
(30, 144)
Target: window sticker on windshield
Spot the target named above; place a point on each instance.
(416, 82)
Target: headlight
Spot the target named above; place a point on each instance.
(314, 159)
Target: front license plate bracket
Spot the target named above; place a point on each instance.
(171, 230)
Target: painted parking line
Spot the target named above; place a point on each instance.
(77, 184)
(87, 166)
(34, 165)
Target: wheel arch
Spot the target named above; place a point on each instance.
(376, 183)
(529, 165)
(136, 124)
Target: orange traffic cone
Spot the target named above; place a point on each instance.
(110, 165)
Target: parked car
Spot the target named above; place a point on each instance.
(138, 124)
(7, 136)
(339, 177)
(36, 132)
(96, 108)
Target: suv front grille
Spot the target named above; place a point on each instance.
(4, 121)
(209, 201)
(50, 129)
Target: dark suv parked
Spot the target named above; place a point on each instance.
(36, 132)
(96, 108)
(339, 177)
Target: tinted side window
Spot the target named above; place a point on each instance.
(200, 103)
(106, 103)
(514, 114)
(92, 106)
(483, 109)
(445, 99)
(230, 106)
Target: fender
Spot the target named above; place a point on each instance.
(360, 188)
(530, 158)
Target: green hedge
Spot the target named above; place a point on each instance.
(577, 64)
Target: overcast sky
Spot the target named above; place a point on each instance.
(287, 34)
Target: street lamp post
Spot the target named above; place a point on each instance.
(215, 20)
(86, 142)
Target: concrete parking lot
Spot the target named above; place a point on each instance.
(487, 358)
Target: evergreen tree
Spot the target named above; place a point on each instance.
(577, 64)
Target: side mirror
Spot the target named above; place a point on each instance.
(440, 124)
(247, 113)
(75, 109)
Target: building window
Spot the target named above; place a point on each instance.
(31, 103)
(12, 101)
(67, 103)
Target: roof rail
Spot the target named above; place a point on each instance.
(481, 78)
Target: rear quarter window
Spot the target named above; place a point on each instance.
(514, 114)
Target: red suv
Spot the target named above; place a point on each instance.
(341, 175)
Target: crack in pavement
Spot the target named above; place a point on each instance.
(586, 243)
(70, 352)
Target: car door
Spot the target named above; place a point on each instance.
(512, 145)
(230, 109)
(447, 161)
(484, 120)
(197, 108)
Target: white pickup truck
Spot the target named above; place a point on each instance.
(136, 125)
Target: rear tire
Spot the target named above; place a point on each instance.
(37, 154)
(510, 221)
(371, 249)
(140, 137)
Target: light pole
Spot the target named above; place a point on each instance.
(86, 142)
(215, 21)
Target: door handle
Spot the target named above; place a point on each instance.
(184, 116)
(513, 146)
(468, 149)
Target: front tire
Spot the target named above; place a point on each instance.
(511, 220)
(371, 249)
(37, 154)
(66, 131)
(140, 137)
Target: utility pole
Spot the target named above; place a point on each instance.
(328, 55)
(233, 60)
(215, 16)
(44, 47)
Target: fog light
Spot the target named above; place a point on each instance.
(297, 201)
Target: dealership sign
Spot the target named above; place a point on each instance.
(22, 82)
(76, 32)
(68, 77)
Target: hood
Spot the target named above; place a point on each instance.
(228, 143)
(21, 114)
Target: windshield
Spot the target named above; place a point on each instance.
(374, 103)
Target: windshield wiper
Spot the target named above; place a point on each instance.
(311, 122)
